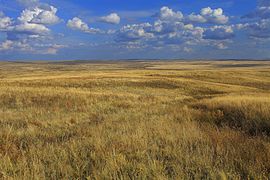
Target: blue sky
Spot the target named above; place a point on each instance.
(117, 29)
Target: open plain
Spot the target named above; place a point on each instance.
(135, 120)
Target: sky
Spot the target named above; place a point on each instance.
(134, 29)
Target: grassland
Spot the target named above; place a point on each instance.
(135, 120)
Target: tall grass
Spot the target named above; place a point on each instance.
(248, 113)
(126, 120)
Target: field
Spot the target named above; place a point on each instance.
(135, 120)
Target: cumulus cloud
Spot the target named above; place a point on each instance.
(166, 30)
(6, 45)
(26, 46)
(5, 22)
(112, 18)
(170, 29)
(219, 33)
(208, 15)
(262, 11)
(135, 32)
(260, 29)
(184, 36)
(34, 20)
(177, 33)
(221, 46)
(196, 18)
(77, 24)
(31, 28)
(164, 27)
(30, 31)
(187, 49)
(40, 15)
(15, 45)
(167, 14)
(51, 49)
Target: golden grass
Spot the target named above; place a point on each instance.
(135, 120)
(249, 113)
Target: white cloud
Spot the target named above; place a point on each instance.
(163, 32)
(112, 18)
(219, 33)
(47, 17)
(5, 22)
(165, 27)
(221, 46)
(170, 29)
(214, 15)
(38, 15)
(27, 47)
(208, 15)
(167, 14)
(197, 18)
(30, 32)
(187, 49)
(31, 28)
(35, 20)
(176, 32)
(51, 49)
(6, 45)
(134, 32)
(186, 33)
(23, 26)
(15, 45)
(260, 29)
(77, 24)
(262, 11)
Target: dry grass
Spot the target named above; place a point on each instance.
(135, 120)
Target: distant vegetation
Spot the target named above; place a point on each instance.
(135, 120)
